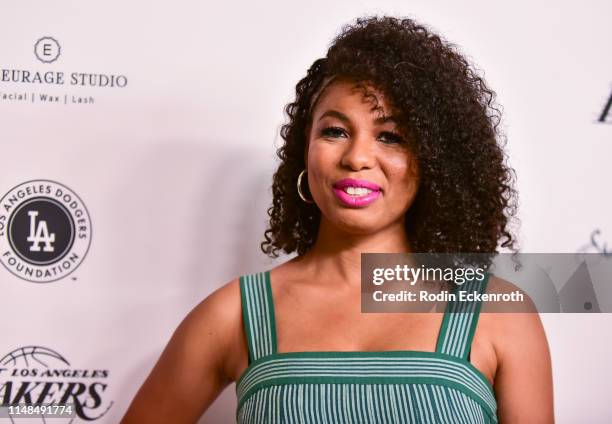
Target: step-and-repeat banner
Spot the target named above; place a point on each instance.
(137, 146)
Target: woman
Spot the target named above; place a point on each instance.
(391, 146)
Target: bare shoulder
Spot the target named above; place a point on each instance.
(197, 361)
(518, 299)
(511, 320)
(523, 382)
(218, 319)
(223, 303)
(209, 330)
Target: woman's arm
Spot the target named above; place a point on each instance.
(192, 370)
(523, 383)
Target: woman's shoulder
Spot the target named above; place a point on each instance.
(506, 297)
(196, 360)
(221, 306)
(217, 321)
(514, 323)
(523, 378)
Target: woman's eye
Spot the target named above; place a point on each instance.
(388, 136)
(332, 131)
(392, 137)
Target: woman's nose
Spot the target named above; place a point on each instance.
(359, 152)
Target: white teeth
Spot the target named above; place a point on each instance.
(357, 191)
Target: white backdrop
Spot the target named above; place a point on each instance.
(174, 168)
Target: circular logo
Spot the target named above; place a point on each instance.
(45, 231)
(47, 49)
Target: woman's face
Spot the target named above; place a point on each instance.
(351, 140)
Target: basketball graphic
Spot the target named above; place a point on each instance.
(33, 376)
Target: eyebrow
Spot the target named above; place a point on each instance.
(341, 116)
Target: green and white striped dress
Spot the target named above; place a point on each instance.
(361, 387)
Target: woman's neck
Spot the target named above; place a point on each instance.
(336, 254)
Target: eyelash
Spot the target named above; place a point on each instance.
(396, 137)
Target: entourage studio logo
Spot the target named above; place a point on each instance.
(47, 49)
(45, 231)
(33, 375)
(40, 85)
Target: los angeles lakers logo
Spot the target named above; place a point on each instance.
(45, 231)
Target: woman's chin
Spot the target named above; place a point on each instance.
(363, 224)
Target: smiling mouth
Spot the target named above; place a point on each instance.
(357, 191)
(356, 197)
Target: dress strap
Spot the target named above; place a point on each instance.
(460, 319)
(258, 314)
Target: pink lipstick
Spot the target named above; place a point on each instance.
(356, 193)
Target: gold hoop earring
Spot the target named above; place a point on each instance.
(299, 188)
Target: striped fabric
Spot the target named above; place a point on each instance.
(361, 387)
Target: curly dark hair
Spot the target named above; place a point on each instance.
(466, 198)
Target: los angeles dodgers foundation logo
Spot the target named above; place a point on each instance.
(45, 231)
